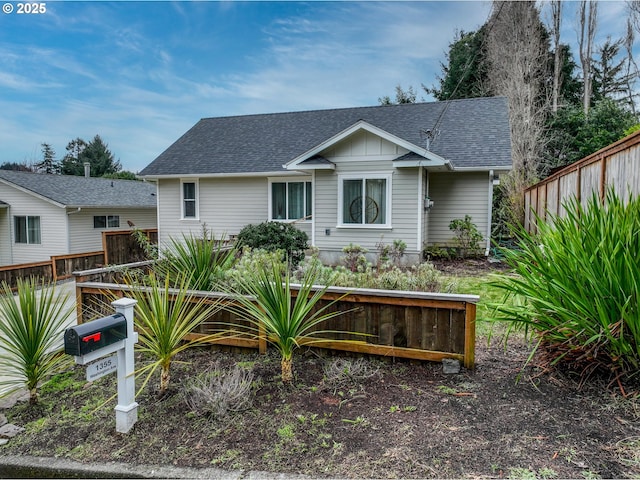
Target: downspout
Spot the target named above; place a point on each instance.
(420, 210)
(489, 214)
(313, 208)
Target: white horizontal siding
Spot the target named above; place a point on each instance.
(456, 195)
(53, 226)
(226, 205)
(83, 237)
(5, 237)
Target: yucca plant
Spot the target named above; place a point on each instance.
(203, 257)
(32, 324)
(264, 299)
(165, 314)
(578, 282)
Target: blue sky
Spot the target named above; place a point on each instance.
(140, 74)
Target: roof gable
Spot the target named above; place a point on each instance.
(75, 191)
(473, 133)
(360, 125)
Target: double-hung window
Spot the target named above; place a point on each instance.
(189, 199)
(291, 200)
(27, 229)
(365, 200)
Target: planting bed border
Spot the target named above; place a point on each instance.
(412, 325)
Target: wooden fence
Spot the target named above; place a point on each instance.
(120, 247)
(412, 325)
(616, 166)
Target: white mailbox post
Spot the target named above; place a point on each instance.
(94, 340)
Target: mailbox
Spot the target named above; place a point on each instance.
(94, 335)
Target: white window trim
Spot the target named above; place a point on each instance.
(197, 199)
(288, 180)
(26, 217)
(365, 176)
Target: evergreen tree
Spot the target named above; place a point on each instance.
(465, 74)
(96, 152)
(48, 164)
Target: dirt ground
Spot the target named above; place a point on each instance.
(395, 419)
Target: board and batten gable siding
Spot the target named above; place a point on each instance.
(456, 195)
(53, 226)
(83, 237)
(365, 153)
(225, 206)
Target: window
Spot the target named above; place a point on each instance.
(290, 200)
(106, 221)
(365, 200)
(189, 202)
(27, 229)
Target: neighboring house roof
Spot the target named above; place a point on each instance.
(473, 134)
(74, 191)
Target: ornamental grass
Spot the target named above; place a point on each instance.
(576, 284)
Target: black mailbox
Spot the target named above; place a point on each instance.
(94, 335)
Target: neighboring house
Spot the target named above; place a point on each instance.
(44, 215)
(355, 175)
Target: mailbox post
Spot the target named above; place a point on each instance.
(127, 408)
(113, 334)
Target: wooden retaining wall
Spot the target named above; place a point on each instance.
(412, 325)
(616, 166)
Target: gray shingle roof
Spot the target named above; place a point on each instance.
(74, 191)
(474, 133)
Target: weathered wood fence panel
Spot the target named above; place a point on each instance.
(65, 265)
(121, 247)
(413, 325)
(616, 166)
(11, 273)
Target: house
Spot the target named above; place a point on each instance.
(354, 175)
(45, 215)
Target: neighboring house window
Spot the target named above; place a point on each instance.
(189, 200)
(27, 229)
(106, 221)
(290, 200)
(365, 200)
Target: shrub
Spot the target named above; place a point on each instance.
(219, 391)
(467, 236)
(272, 236)
(203, 259)
(355, 257)
(389, 255)
(345, 372)
(578, 281)
(31, 329)
(252, 260)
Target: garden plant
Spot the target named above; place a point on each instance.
(31, 332)
(264, 298)
(165, 314)
(203, 257)
(577, 281)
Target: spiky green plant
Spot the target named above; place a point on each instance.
(264, 299)
(203, 257)
(32, 324)
(578, 281)
(165, 314)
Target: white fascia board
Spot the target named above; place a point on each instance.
(362, 125)
(426, 163)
